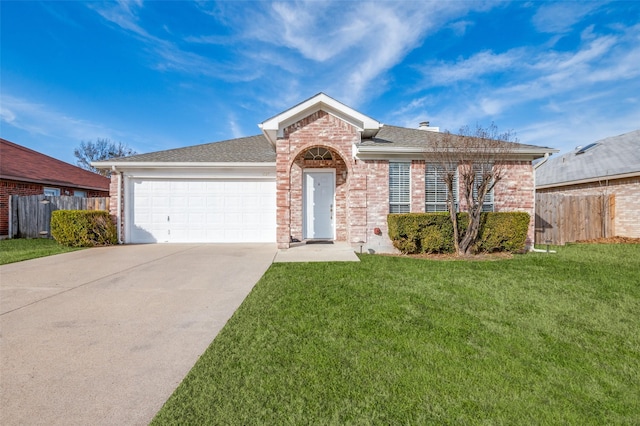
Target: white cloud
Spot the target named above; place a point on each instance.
(40, 119)
(459, 28)
(236, 131)
(167, 55)
(579, 127)
(559, 17)
(472, 68)
(537, 75)
(344, 48)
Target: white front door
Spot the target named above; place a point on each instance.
(319, 204)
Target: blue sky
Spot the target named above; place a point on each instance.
(158, 75)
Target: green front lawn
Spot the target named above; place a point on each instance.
(16, 250)
(537, 339)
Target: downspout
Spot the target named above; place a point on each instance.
(119, 204)
(535, 167)
(540, 163)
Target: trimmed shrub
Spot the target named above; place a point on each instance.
(503, 231)
(413, 233)
(423, 232)
(83, 228)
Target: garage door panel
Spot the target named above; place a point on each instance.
(202, 211)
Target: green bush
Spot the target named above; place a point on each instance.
(503, 232)
(83, 228)
(423, 232)
(433, 232)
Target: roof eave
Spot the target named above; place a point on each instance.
(55, 183)
(178, 165)
(588, 180)
(381, 153)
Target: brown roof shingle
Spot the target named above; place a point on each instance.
(394, 136)
(251, 149)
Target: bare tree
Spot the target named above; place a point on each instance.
(474, 160)
(100, 150)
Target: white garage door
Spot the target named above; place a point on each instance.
(216, 211)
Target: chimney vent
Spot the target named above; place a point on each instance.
(424, 125)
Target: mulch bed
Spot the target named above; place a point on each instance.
(611, 240)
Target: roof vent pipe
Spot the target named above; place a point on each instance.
(425, 126)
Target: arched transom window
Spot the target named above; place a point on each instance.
(318, 153)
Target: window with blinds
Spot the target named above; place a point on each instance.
(436, 190)
(399, 187)
(487, 205)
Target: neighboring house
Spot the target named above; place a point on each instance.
(27, 172)
(608, 166)
(319, 170)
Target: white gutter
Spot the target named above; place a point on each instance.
(540, 163)
(422, 150)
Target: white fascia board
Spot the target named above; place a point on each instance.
(260, 173)
(266, 171)
(178, 165)
(273, 127)
(383, 153)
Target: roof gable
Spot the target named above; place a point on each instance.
(606, 158)
(274, 126)
(23, 164)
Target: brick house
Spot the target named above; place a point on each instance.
(319, 170)
(27, 172)
(608, 166)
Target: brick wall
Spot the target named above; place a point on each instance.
(516, 192)
(113, 202)
(8, 188)
(378, 206)
(418, 169)
(627, 193)
(362, 195)
(11, 187)
(319, 129)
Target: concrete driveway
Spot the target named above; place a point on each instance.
(105, 335)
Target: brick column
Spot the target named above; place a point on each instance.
(283, 201)
(417, 186)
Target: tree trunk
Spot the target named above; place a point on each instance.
(466, 244)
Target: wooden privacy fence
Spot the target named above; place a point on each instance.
(563, 219)
(30, 216)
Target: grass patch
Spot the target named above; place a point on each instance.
(537, 339)
(16, 250)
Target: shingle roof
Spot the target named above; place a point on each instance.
(258, 149)
(252, 149)
(612, 156)
(23, 164)
(394, 136)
